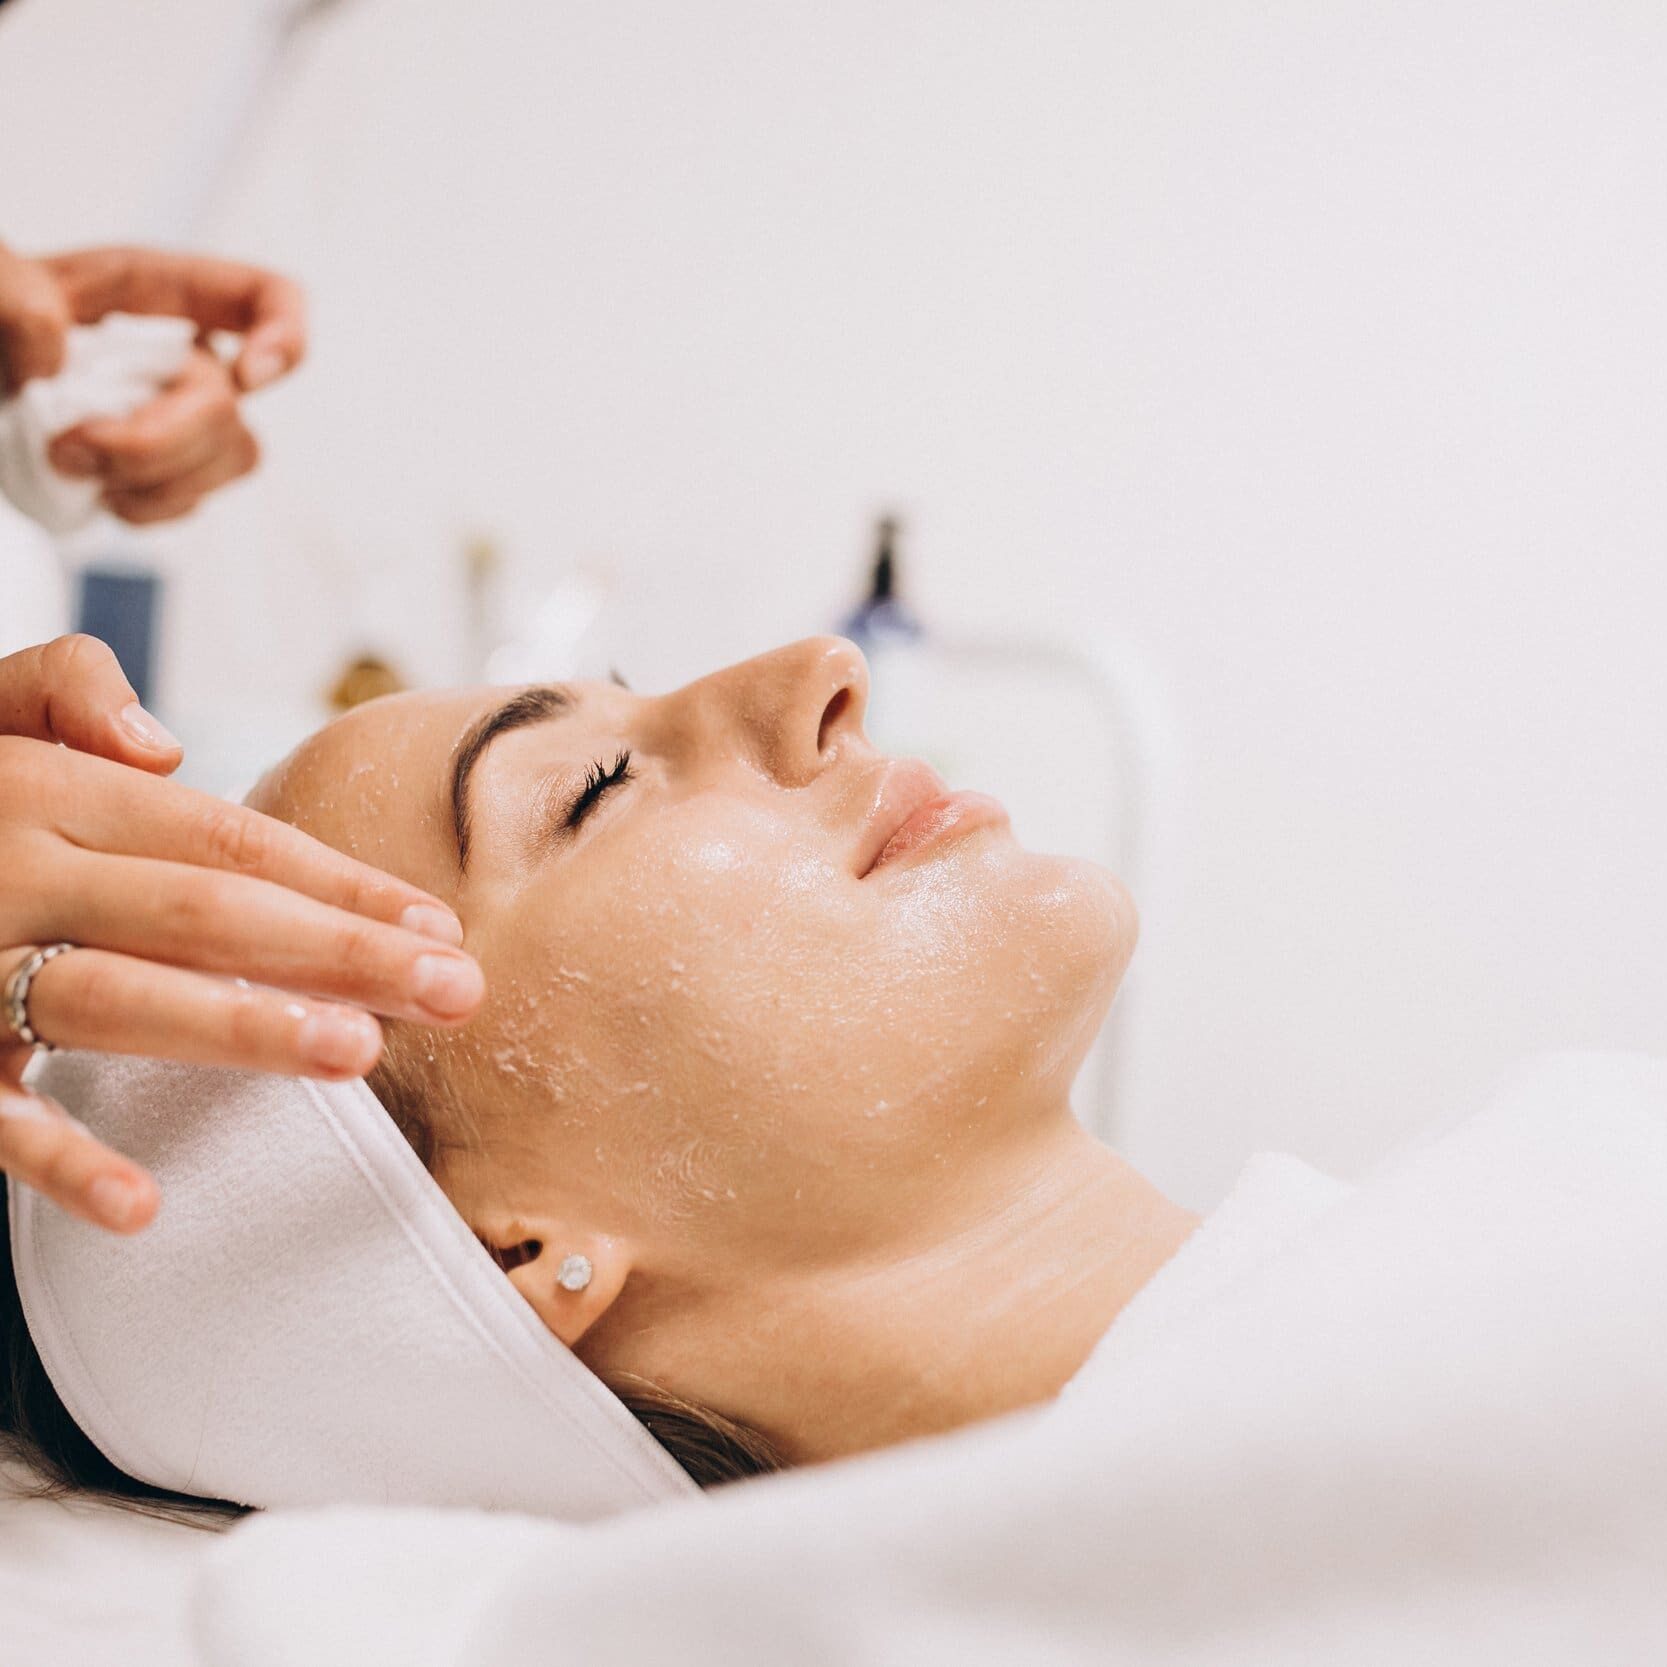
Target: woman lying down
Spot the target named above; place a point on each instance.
(759, 1154)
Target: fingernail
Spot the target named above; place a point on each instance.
(72, 457)
(261, 367)
(447, 985)
(340, 1041)
(145, 729)
(114, 1201)
(433, 922)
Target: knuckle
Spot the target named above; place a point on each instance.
(73, 658)
(359, 894)
(361, 951)
(98, 988)
(245, 1024)
(201, 908)
(233, 839)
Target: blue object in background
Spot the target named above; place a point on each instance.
(882, 616)
(120, 606)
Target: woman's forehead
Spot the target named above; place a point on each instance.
(372, 783)
(422, 724)
(377, 781)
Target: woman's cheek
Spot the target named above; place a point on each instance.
(730, 964)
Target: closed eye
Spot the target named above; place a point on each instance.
(597, 782)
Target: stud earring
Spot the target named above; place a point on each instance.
(574, 1273)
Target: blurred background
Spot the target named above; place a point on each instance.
(1270, 402)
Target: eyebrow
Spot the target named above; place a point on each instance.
(530, 706)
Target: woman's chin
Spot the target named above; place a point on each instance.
(1081, 908)
(1087, 925)
(1121, 919)
(1062, 919)
(1045, 955)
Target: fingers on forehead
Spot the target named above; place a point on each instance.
(244, 926)
(108, 808)
(234, 837)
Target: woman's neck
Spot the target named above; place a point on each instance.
(1046, 1247)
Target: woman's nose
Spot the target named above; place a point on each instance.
(790, 711)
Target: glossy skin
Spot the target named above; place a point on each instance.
(805, 1119)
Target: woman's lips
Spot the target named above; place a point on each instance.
(915, 810)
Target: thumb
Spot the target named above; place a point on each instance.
(72, 690)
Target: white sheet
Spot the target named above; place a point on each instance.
(1420, 1420)
(86, 1585)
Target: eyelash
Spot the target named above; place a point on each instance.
(597, 782)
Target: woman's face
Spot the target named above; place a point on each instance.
(718, 1032)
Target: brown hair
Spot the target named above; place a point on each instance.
(36, 1427)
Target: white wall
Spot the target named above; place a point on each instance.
(1314, 351)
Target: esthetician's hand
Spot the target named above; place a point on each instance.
(165, 458)
(174, 896)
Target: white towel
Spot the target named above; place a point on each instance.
(308, 1319)
(1422, 1419)
(110, 369)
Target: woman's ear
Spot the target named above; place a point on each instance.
(569, 1279)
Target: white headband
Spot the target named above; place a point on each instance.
(308, 1320)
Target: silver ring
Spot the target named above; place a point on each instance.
(16, 1001)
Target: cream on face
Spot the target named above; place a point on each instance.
(768, 1003)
